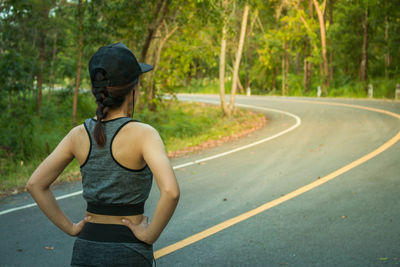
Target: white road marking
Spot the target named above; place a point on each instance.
(34, 204)
(297, 124)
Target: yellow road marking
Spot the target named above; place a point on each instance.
(228, 223)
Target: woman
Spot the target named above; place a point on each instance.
(118, 157)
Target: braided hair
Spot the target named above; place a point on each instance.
(107, 98)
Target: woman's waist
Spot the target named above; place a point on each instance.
(106, 213)
(113, 219)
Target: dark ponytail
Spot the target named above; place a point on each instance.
(106, 99)
(101, 113)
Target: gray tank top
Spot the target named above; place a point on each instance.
(109, 187)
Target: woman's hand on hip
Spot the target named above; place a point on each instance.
(76, 228)
(140, 230)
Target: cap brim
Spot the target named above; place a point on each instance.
(145, 67)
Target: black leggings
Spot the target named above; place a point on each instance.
(110, 245)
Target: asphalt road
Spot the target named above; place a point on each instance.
(352, 220)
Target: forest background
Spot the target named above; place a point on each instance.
(275, 47)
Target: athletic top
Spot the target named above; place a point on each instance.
(108, 187)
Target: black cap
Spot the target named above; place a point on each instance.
(118, 65)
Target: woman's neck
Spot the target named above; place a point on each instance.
(112, 114)
(121, 111)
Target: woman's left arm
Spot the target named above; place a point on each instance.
(41, 179)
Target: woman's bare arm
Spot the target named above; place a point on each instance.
(41, 179)
(155, 156)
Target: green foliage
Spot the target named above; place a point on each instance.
(25, 139)
(206, 86)
(25, 136)
(279, 29)
(383, 88)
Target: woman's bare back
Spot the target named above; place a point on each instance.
(126, 146)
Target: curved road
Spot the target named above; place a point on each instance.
(253, 203)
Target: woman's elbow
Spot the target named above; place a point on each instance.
(173, 194)
(30, 186)
(33, 186)
(177, 195)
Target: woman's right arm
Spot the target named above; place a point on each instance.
(41, 179)
(156, 158)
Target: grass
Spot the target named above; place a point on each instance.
(191, 124)
(207, 86)
(180, 124)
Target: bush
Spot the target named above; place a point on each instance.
(26, 139)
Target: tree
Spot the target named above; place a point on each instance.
(224, 106)
(164, 35)
(387, 54)
(161, 10)
(78, 73)
(331, 2)
(44, 14)
(238, 56)
(321, 18)
(227, 110)
(364, 59)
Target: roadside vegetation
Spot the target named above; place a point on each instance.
(383, 89)
(26, 141)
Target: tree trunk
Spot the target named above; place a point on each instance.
(224, 107)
(297, 63)
(40, 75)
(387, 54)
(364, 60)
(287, 58)
(239, 84)
(331, 52)
(285, 69)
(51, 82)
(283, 75)
(310, 8)
(156, 61)
(42, 39)
(30, 79)
(274, 75)
(321, 19)
(305, 65)
(248, 52)
(159, 14)
(238, 56)
(78, 73)
(305, 75)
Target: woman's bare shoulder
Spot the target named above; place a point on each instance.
(141, 131)
(141, 128)
(77, 131)
(77, 134)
